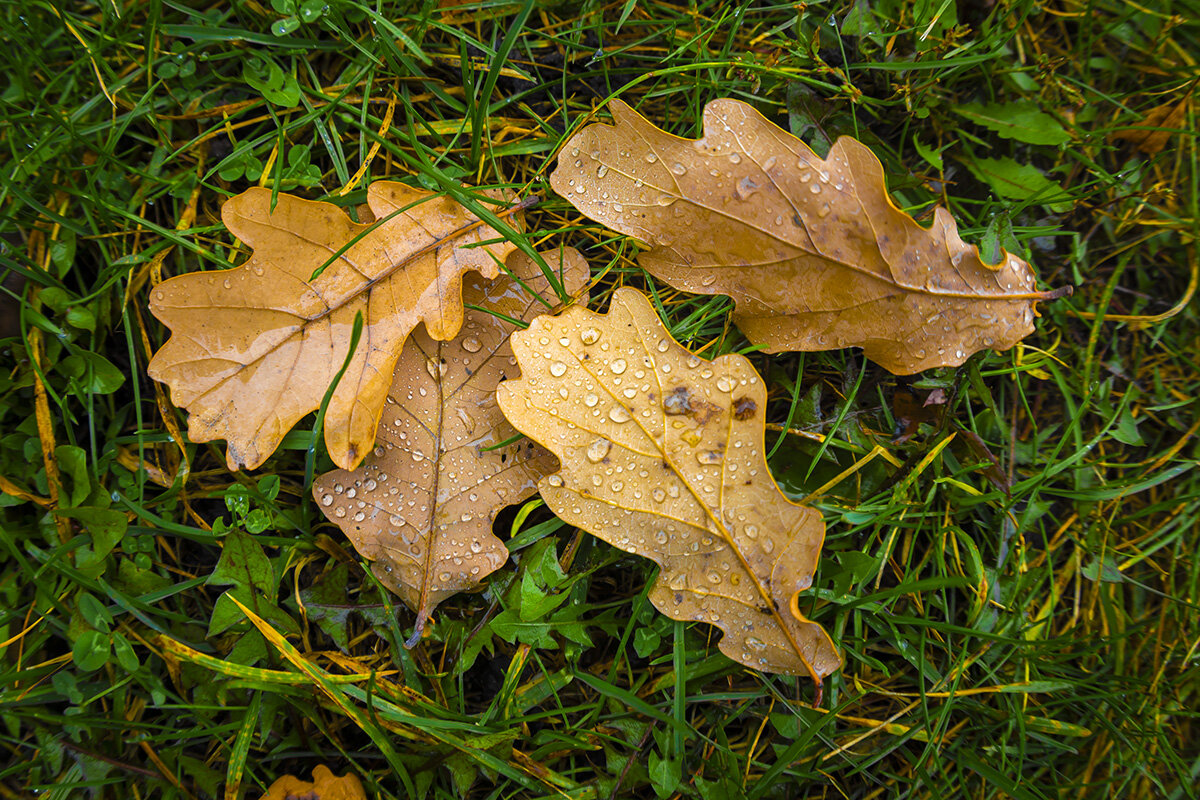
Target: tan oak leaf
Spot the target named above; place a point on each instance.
(324, 786)
(420, 507)
(253, 349)
(814, 252)
(662, 455)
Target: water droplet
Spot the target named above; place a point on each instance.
(768, 545)
(618, 414)
(659, 495)
(725, 384)
(597, 450)
(602, 170)
(744, 188)
(617, 367)
(678, 169)
(734, 158)
(580, 189)
(444, 577)
(757, 644)
(617, 486)
(630, 392)
(708, 280)
(590, 399)
(710, 457)
(663, 345)
(472, 345)
(558, 369)
(679, 580)
(359, 516)
(228, 284)
(555, 480)
(823, 211)
(815, 188)
(589, 335)
(327, 500)
(751, 531)
(714, 578)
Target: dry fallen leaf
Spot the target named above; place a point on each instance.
(1164, 117)
(814, 252)
(255, 348)
(421, 505)
(324, 786)
(662, 455)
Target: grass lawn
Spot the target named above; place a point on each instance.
(1009, 569)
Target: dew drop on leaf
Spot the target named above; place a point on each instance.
(598, 450)
(618, 414)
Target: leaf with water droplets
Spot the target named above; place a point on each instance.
(421, 505)
(674, 470)
(255, 348)
(814, 252)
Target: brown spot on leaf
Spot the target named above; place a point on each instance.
(678, 402)
(744, 408)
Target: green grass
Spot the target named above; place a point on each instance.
(1013, 583)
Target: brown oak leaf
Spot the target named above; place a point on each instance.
(1154, 130)
(324, 786)
(814, 252)
(254, 349)
(662, 455)
(421, 506)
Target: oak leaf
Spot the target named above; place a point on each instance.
(1154, 130)
(662, 455)
(421, 505)
(255, 348)
(324, 786)
(814, 252)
